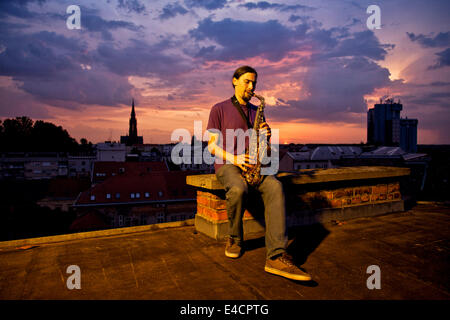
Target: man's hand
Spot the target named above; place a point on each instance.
(264, 130)
(244, 161)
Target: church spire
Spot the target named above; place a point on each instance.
(133, 114)
(133, 125)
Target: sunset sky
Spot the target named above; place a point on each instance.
(320, 67)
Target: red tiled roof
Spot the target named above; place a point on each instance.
(88, 221)
(151, 186)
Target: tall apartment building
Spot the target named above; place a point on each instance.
(386, 127)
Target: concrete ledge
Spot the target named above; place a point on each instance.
(218, 230)
(209, 181)
(93, 234)
(327, 215)
(312, 196)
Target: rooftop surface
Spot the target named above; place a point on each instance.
(411, 249)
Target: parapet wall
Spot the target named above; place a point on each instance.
(312, 196)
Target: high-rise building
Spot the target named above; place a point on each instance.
(408, 134)
(386, 128)
(132, 137)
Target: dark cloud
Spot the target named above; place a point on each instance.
(171, 10)
(142, 59)
(58, 70)
(294, 18)
(440, 40)
(80, 87)
(439, 84)
(443, 59)
(8, 27)
(268, 39)
(206, 4)
(264, 5)
(363, 44)
(39, 54)
(335, 91)
(94, 23)
(17, 8)
(131, 6)
(432, 98)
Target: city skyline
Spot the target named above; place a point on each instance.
(320, 67)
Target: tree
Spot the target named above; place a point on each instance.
(21, 134)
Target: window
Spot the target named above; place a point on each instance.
(160, 217)
(138, 195)
(120, 220)
(147, 194)
(160, 193)
(132, 195)
(108, 196)
(92, 197)
(118, 195)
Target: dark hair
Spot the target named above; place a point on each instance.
(242, 70)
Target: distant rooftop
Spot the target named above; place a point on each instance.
(172, 261)
(383, 152)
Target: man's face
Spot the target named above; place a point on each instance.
(244, 86)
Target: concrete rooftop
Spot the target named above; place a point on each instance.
(411, 248)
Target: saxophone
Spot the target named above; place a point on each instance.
(256, 147)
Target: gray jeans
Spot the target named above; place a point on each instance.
(272, 194)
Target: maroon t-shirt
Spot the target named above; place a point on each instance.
(223, 116)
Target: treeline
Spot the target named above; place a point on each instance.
(24, 134)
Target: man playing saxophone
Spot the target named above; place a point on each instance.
(237, 114)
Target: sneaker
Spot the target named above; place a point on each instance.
(285, 267)
(233, 248)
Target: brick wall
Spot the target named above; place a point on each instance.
(212, 207)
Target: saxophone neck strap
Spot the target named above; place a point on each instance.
(236, 103)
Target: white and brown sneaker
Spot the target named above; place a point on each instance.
(233, 248)
(284, 266)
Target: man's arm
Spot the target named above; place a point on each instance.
(242, 160)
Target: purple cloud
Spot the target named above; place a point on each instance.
(442, 39)
(206, 4)
(336, 89)
(268, 39)
(172, 10)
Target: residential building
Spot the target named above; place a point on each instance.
(111, 151)
(386, 127)
(81, 166)
(103, 170)
(319, 157)
(139, 199)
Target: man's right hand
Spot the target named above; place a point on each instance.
(244, 161)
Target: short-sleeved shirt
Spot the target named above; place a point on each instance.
(223, 116)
